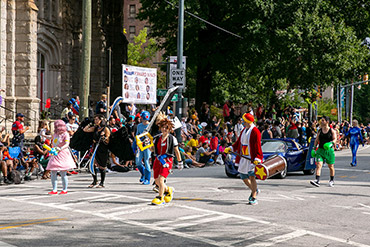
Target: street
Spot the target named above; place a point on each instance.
(208, 209)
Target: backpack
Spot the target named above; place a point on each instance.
(16, 176)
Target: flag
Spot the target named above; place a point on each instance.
(47, 105)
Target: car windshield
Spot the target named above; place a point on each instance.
(273, 147)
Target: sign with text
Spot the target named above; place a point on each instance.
(139, 85)
(177, 78)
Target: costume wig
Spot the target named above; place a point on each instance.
(60, 127)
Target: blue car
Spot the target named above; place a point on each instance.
(294, 154)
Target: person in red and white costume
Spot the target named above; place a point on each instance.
(248, 145)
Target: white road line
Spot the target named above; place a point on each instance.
(168, 230)
(201, 221)
(225, 214)
(340, 240)
(363, 205)
(280, 239)
(354, 169)
(137, 208)
(5, 191)
(190, 217)
(3, 244)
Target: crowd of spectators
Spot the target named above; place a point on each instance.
(204, 135)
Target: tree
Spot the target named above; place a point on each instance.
(142, 50)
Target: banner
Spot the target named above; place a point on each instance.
(139, 85)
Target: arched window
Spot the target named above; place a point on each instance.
(41, 79)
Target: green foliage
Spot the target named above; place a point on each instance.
(324, 108)
(216, 112)
(142, 50)
(286, 44)
(362, 104)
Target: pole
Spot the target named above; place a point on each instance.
(351, 107)
(86, 59)
(180, 47)
(109, 79)
(338, 103)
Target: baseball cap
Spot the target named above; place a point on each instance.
(19, 115)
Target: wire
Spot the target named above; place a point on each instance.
(209, 23)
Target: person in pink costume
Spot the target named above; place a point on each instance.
(63, 161)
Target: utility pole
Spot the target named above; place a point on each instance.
(86, 59)
(109, 79)
(180, 51)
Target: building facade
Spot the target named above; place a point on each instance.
(40, 51)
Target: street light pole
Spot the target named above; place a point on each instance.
(86, 59)
(180, 51)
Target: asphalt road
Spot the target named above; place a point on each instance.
(208, 209)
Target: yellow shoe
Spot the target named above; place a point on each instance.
(158, 201)
(168, 195)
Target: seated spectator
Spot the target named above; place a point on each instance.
(203, 155)
(204, 138)
(214, 140)
(223, 145)
(6, 164)
(41, 155)
(29, 163)
(194, 143)
(190, 159)
(72, 126)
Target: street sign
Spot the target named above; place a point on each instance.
(177, 78)
(175, 98)
(173, 62)
(161, 92)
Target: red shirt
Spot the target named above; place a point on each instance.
(17, 126)
(226, 110)
(162, 146)
(214, 143)
(203, 139)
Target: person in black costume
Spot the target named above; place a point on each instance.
(101, 136)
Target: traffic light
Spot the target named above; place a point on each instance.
(366, 78)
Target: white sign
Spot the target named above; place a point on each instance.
(173, 62)
(139, 85)
(177, 78)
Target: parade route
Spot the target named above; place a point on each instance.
(208, 209)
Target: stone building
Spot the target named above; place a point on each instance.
(40, 51)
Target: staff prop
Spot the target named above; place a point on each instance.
(52, 151)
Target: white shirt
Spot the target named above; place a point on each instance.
(72, 127)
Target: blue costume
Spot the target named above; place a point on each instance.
(354, 133)
(143, 156)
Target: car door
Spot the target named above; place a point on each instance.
(294, 157)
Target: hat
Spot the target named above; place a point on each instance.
(248, 118)
(19, 115)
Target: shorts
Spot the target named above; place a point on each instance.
(158, 168)
(246, 176)
(189, 161)
(326, 156)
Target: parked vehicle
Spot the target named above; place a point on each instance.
(294, 154)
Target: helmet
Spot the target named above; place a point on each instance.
(145, 115)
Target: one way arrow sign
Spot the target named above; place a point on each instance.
(177, 78)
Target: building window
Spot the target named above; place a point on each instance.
(132, 31)
(132, 13)
(41, 84)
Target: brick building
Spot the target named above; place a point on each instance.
(40, 50)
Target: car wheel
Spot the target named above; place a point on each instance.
(309, 172)
(229, 174)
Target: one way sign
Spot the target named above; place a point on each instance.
(177, 78)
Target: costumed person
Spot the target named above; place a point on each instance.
(101, 136)
(165, 148)
(325, 152)
(62, 161)
(142, 157)
(354, 133)
(248, 145)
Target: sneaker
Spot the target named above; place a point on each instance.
(315, 183)
(156, 189)
(7, 181)
(74, 172)
(158, 201)
(63, 192)
(331, 183)
(27, 178)
(53, 193)
(168, 196)
(253, 201)
(353, 165)
(257, 192)
(146, 182)
(142, 179)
